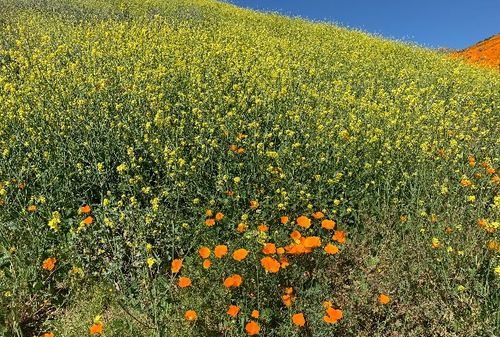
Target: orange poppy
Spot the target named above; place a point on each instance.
(331, 249)
(48, 334)
(252, 328)
(332, 315)
(255, 313)
(207, 263)
(328, 224)
(270, 264)
(269, 248)
(295, 235)
(85, 209)
(31, 208)
(190, 315)
(263, 228)
(233, 147)
(284, 262)
(299, 320)
(284, 219)
(254, 204)
(204, 252)
(288, 297)
(339, 236)
(220, 251)
(208, 212)
(318, 215)
(233, 310)
(88, 220)
(304, 221)
(96, 328)
(280, 251)
(49, 263)
(184, 282)
(312, 242)
(383, 299)
(240, 254)
(233, 281)
(176, 265)
(219, 216)
(241, 228)
(210, 222)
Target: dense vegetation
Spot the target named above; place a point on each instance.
(189, 168)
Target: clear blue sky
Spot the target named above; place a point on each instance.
(433, 23)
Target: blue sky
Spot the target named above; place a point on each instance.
(433, 23)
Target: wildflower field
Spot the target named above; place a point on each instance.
(190, 168)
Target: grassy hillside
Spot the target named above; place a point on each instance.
(353, 180)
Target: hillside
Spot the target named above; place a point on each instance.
(486, 52)
(190, 168)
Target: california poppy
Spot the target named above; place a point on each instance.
(219, 216)
(96, 328)
(270, 264)
(383, 299)
(184, 282)
(284, 219)
(332, 315)
(312, 242)
(339, 236)
(190, 315)
(269, 248)
(85, 209)
(233, 281)
(240, 254)
(220, 251)
(331, 249)
(299, 320)
(88, 220)
(207, 263)
(204, 252)
(304, 221)
(328, 224)
(49, 263)
(318, 215)
(233, 310)
(210, 222)
(255, 313)
(252, 328)
(176, 265)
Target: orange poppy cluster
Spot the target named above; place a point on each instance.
(274, 259)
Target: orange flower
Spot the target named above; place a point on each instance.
(252, 328)
(280, 251)
(328, 224)
(204, 252)
(233, 281)
(96, 328)
(263, 228)
(219, 216)
(383, 299)
(312, 242)
(48, 334)
(208, 212)
(269, 248)
(233, 147)
(88, 220)
(49, 263)
(190, 315)
(270, 264)
(210, 222)
(176, 265)
(327, 304)
(241, 150)
(255, 313)
(288, 297)
(207, 264)
(295, 235)
(254, 204)
(318, 215)
(465, 182)
(233, 310)
(284, 219)
(85, 209)
(296, 249)
(184, 282)
(472, 161)
(332, 315)
(241, 228)
(31, 208)
(304, 221)
(299, 320)
(331, 249)
(220, 251)
(284, 262)
(240, 254)
(339, 236)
